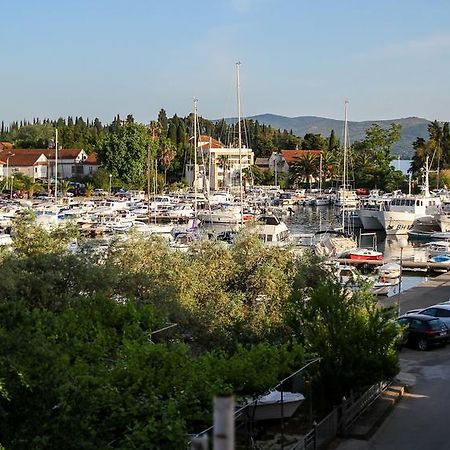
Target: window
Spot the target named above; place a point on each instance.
(430, 312)
(416, 324)
(440, 312)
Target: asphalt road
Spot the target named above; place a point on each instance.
(420, 421)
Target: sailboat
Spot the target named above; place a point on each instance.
(346, 197)
(321, 199)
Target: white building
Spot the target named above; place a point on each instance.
(218, 165)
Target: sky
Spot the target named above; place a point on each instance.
(99, 58)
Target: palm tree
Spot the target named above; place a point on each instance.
(223, 161)
(306, 167)
(30, 186)
(64, 186)
(167, 154)
(88, 190)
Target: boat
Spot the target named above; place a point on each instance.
(440, 235)
(275, 405)
(438, 248)
(440, 259)
(5, 239)
(272, 230)
(322, 200)
(384, 286)
(412, 211)
(389, 271)
(365, 254)
(333, 243)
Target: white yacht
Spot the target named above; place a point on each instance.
(346, 198)
(405, 212)
(272, 230)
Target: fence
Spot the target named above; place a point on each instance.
(339, 420)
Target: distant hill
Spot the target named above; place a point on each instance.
(412, 127)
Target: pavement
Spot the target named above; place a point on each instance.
(417, 419)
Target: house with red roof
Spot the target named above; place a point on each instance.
(40, 163)
(30, 162)
(283, 160)
(72, 162)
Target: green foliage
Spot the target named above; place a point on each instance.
(123, 153)
(32, 136)
(32, 239)
(81, 364)
(355, 339)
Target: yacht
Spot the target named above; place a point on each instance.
(272, 230)
(405, 212)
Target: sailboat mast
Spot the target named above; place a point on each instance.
(56, 166)
(238, 83)
(345, 142)
(195, 159)
(344, 187)
(320, 173)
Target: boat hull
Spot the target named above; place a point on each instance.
(366, 257)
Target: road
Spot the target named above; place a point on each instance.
(420, 420)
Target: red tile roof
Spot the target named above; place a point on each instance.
(91, 159)
(21, 157)
(64, 153)
(291, 156)
(205, 141)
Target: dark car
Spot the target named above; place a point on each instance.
(423, 331)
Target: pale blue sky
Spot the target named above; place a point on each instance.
(390, 58)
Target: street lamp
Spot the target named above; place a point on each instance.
(110, 178)
(400, 281)
(12, 183)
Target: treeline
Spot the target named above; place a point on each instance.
(437, 149)
(125, 146)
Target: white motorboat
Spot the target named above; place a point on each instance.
(438, 248)
(322, 200)
(221, 215)
(389, 271)
(333, 244)
(272, 230)
(406, 212)
(383, 287)
(5, 239)
(275, 405)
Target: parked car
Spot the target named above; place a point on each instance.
(441, 310)
(422, 331)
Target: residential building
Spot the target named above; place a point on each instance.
(30, 162)
(40, 163)
(220, 165)
(283, 160)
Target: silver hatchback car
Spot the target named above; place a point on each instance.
(441, 310)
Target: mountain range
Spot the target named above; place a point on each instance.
(412, 128)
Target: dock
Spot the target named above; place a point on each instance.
(424, 266)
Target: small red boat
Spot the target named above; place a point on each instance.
(365, 254)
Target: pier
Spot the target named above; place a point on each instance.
(424, 266)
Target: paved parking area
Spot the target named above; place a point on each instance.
(420, 421)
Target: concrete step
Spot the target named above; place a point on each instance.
(366, 425)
